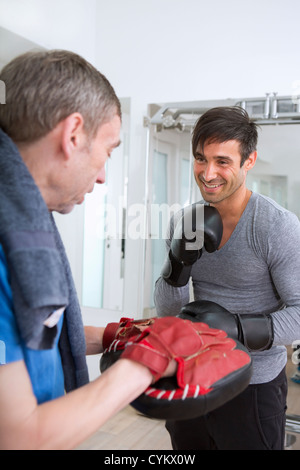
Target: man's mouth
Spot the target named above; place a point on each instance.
(211, 185)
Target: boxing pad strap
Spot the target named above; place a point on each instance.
(256, 331)
(156, 361)
(109, 334)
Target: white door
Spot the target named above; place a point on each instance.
(104, 235)
(169, 190)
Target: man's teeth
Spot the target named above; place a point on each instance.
(211, 185)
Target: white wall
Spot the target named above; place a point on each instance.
(63, 24)
(168, 50)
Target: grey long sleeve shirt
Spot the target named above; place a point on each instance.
(256, 271)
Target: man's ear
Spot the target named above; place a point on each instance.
(250, 162)
(72, 135)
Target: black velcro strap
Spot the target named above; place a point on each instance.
(257, 331)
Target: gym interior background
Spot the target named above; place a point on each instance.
(168, 61)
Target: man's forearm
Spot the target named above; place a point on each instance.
(169, 300)
(93, 338)
(286, 324)
(67, 421)
(91, 406)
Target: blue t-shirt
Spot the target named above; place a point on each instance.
(44, 367)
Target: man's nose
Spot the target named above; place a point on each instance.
(101, 176)
(210, 172)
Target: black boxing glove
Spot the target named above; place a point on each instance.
(199, 226)
(253, 330)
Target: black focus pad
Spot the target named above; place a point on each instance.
(108, 359)
(155, 402)
(214, 315)
(164, 400)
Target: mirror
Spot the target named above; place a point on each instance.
(276, 174)
(170, 168)
(169, 188)
(104, 247)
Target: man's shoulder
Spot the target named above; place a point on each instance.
(267, 203)
(269, 217)
(266, 207)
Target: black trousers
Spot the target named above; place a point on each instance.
(254, 420)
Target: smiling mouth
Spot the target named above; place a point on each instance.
(211, 186)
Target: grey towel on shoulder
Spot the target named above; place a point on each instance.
(41, 278)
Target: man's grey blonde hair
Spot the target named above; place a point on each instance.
(43, 88)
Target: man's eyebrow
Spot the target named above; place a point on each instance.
(224, 157)
(216, 157)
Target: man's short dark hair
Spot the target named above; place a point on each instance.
(222, 124)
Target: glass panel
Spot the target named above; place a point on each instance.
(255, 107)
(185, 182)
(105, 212)
(160, 196)
(275, 174)
(94, 247)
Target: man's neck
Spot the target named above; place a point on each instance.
(39, 165)
(234, 206)
(231, 210)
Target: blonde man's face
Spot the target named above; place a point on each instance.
(88, 165)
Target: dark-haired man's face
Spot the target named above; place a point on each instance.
(218, 171)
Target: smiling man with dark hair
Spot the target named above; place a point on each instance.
(249, 286)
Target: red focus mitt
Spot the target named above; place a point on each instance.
(212, 368)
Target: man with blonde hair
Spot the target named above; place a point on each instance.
(60, 123)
